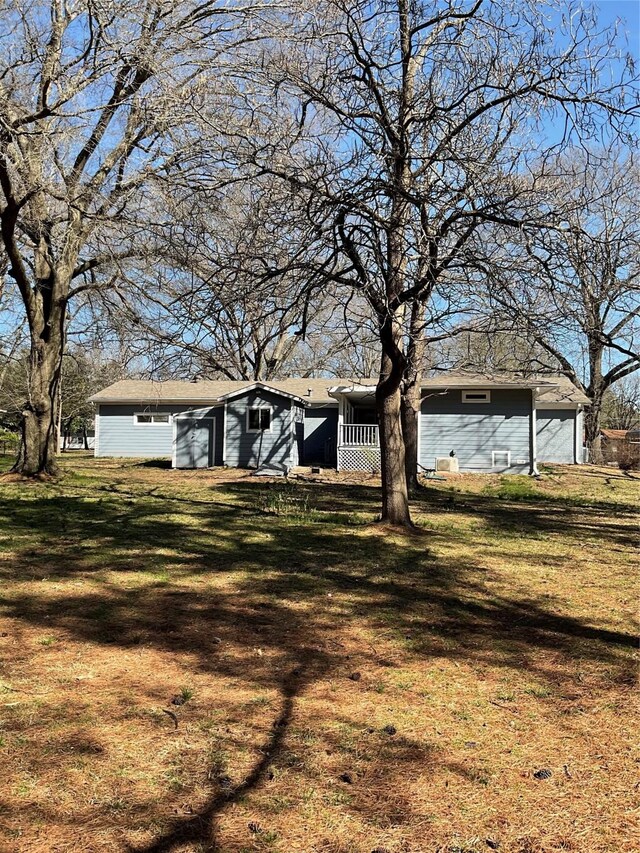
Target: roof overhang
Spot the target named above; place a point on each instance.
(262, 386)
(352, 390)
(156, 401)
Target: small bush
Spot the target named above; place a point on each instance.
(629, 457)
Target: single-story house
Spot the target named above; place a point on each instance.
(490, 423)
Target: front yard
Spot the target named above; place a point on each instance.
(331, 687)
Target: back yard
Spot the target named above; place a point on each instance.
(331, 687)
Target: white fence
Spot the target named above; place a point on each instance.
(359, 435)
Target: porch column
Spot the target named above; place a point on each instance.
(533, 436)
(340, 423)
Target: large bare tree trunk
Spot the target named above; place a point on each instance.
(409, 412)
(592, 418)
(411, 394)
(395, 498)
(39, 436)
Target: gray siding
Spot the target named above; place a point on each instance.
(320, 426)
(274, 449)
(474, 430)
(119, 436)
(555, 429)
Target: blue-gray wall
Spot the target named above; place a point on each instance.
(119, 436)
(320, 426)
(273, 449)
(473, 430)
(555, 430)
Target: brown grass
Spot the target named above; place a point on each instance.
(498, 644)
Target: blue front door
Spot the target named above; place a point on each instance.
(194, 442)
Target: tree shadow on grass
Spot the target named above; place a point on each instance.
(435, 607)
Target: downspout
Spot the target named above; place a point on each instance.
(96, 428)
(340, 423)
(224, 434)
(533, 437)
(577, 442)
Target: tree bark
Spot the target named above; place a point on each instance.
(39, 440)
(592, 419)
(411, 394)
(395, 498)
(409, 412)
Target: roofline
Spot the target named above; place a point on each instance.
(263, 386)
(169, 401)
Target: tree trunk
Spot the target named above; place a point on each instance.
(411, 394)
(592, 416)
(395, 498)
(409, 408)
(39, 413)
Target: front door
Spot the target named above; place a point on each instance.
(194, 442)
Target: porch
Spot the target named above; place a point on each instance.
(358, 433)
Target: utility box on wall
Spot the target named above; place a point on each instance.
(447, 463)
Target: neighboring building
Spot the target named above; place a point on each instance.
(491, 424)
(619, 442)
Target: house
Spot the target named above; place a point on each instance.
(490, 423)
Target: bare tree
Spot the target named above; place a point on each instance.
(411, 125)
(98, 102)
(574, 287)
(621, 404)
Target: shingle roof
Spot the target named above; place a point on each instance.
(206, 391)
(614, 434)
(559, 389)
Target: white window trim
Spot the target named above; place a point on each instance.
(260, 408)
(501, 453)
(485, 399)
(137, 423)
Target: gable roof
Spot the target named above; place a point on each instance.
(208, 391)
(263, 386)
(315, 392)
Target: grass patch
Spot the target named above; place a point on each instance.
(341, 688)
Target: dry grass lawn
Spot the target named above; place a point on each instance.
(342, 689)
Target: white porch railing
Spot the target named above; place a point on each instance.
(359, 435)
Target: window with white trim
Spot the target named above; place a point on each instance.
(259, 419)
(501, 459)
(476, 396)
(151, 418)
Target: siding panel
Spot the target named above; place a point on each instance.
(119, 436)
(474, 430)
(273, 449)
(555, 429)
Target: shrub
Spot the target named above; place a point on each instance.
(629, 457)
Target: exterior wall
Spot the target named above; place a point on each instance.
(320, 427)
(474, 430)
(274, 449)
(556, 435)
(119, 436)
(298, 433)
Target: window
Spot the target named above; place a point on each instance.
(501, 459)
(259, 420)
(476, 396)
(148, 419)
